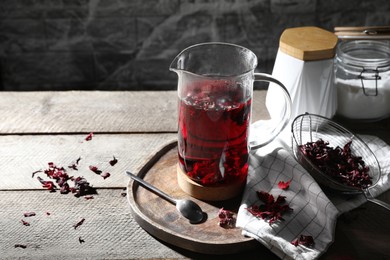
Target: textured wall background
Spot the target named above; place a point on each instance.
(129, 44)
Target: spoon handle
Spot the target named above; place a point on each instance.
(152, 188)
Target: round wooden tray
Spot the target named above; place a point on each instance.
(160, 218)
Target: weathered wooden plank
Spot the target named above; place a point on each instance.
(97, 111)
(108, 232)
(21, 155)
(83, 111)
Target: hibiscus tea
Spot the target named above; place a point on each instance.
(213, 134)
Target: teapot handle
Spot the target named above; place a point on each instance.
(263, 132)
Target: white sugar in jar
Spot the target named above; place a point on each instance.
(362, 79)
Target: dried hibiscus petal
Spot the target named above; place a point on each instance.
(124, 193)
(74, 165)
(25, 223)
(95, 169)
(89, 136)
(29, 214)
(105, 175)
(272, 210)
(20, 246)
(65, 189)
(226, 218)
(88, 197)
(306, 240)
(284, 185)
(59, 174)
(295, 242)
(113, 161)
(338, 163)
(79, 223)
(47, 184)
(33, 174)
(82, 187)
(81, 240)
(303, 240)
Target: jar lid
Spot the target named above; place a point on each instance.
(364, 53)
(308, 43)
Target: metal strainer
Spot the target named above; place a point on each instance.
(310, 128)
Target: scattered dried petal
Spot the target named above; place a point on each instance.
(89, 137)
(284, 185)
(226, 218)
(113, 161)
(33, 174)
(95, 169)
(74, 165)
(25, 223)
(82, 187)
(272, 210)
(303, 240)
(306, 240)
(47, 184)
(20, 246)
(65, 189)
(48, 213)
(81, 240)
(79, 223)
(295, 242)
(88, 197)
(29, 214)
(105, 175)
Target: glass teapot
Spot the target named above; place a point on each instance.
(215, 135)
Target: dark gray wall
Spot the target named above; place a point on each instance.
(128, 45)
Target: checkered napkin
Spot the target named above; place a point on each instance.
(314, 213)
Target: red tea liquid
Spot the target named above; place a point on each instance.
(213, 135)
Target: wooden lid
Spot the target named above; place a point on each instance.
(308, 43)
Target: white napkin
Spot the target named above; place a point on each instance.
(314, 213)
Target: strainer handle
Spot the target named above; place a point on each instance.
(374, 200)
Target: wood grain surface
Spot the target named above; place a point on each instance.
(21, 155)
(38, 127)
(95, 111)
(308, 43)
(78, 112)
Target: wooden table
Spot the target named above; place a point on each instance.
(41, 127)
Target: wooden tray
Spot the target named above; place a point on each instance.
(160, 218)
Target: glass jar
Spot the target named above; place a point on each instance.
(362, 79)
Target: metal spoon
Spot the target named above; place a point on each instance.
(187, 208)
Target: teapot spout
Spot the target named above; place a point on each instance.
(177, 64)
(194, 59)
